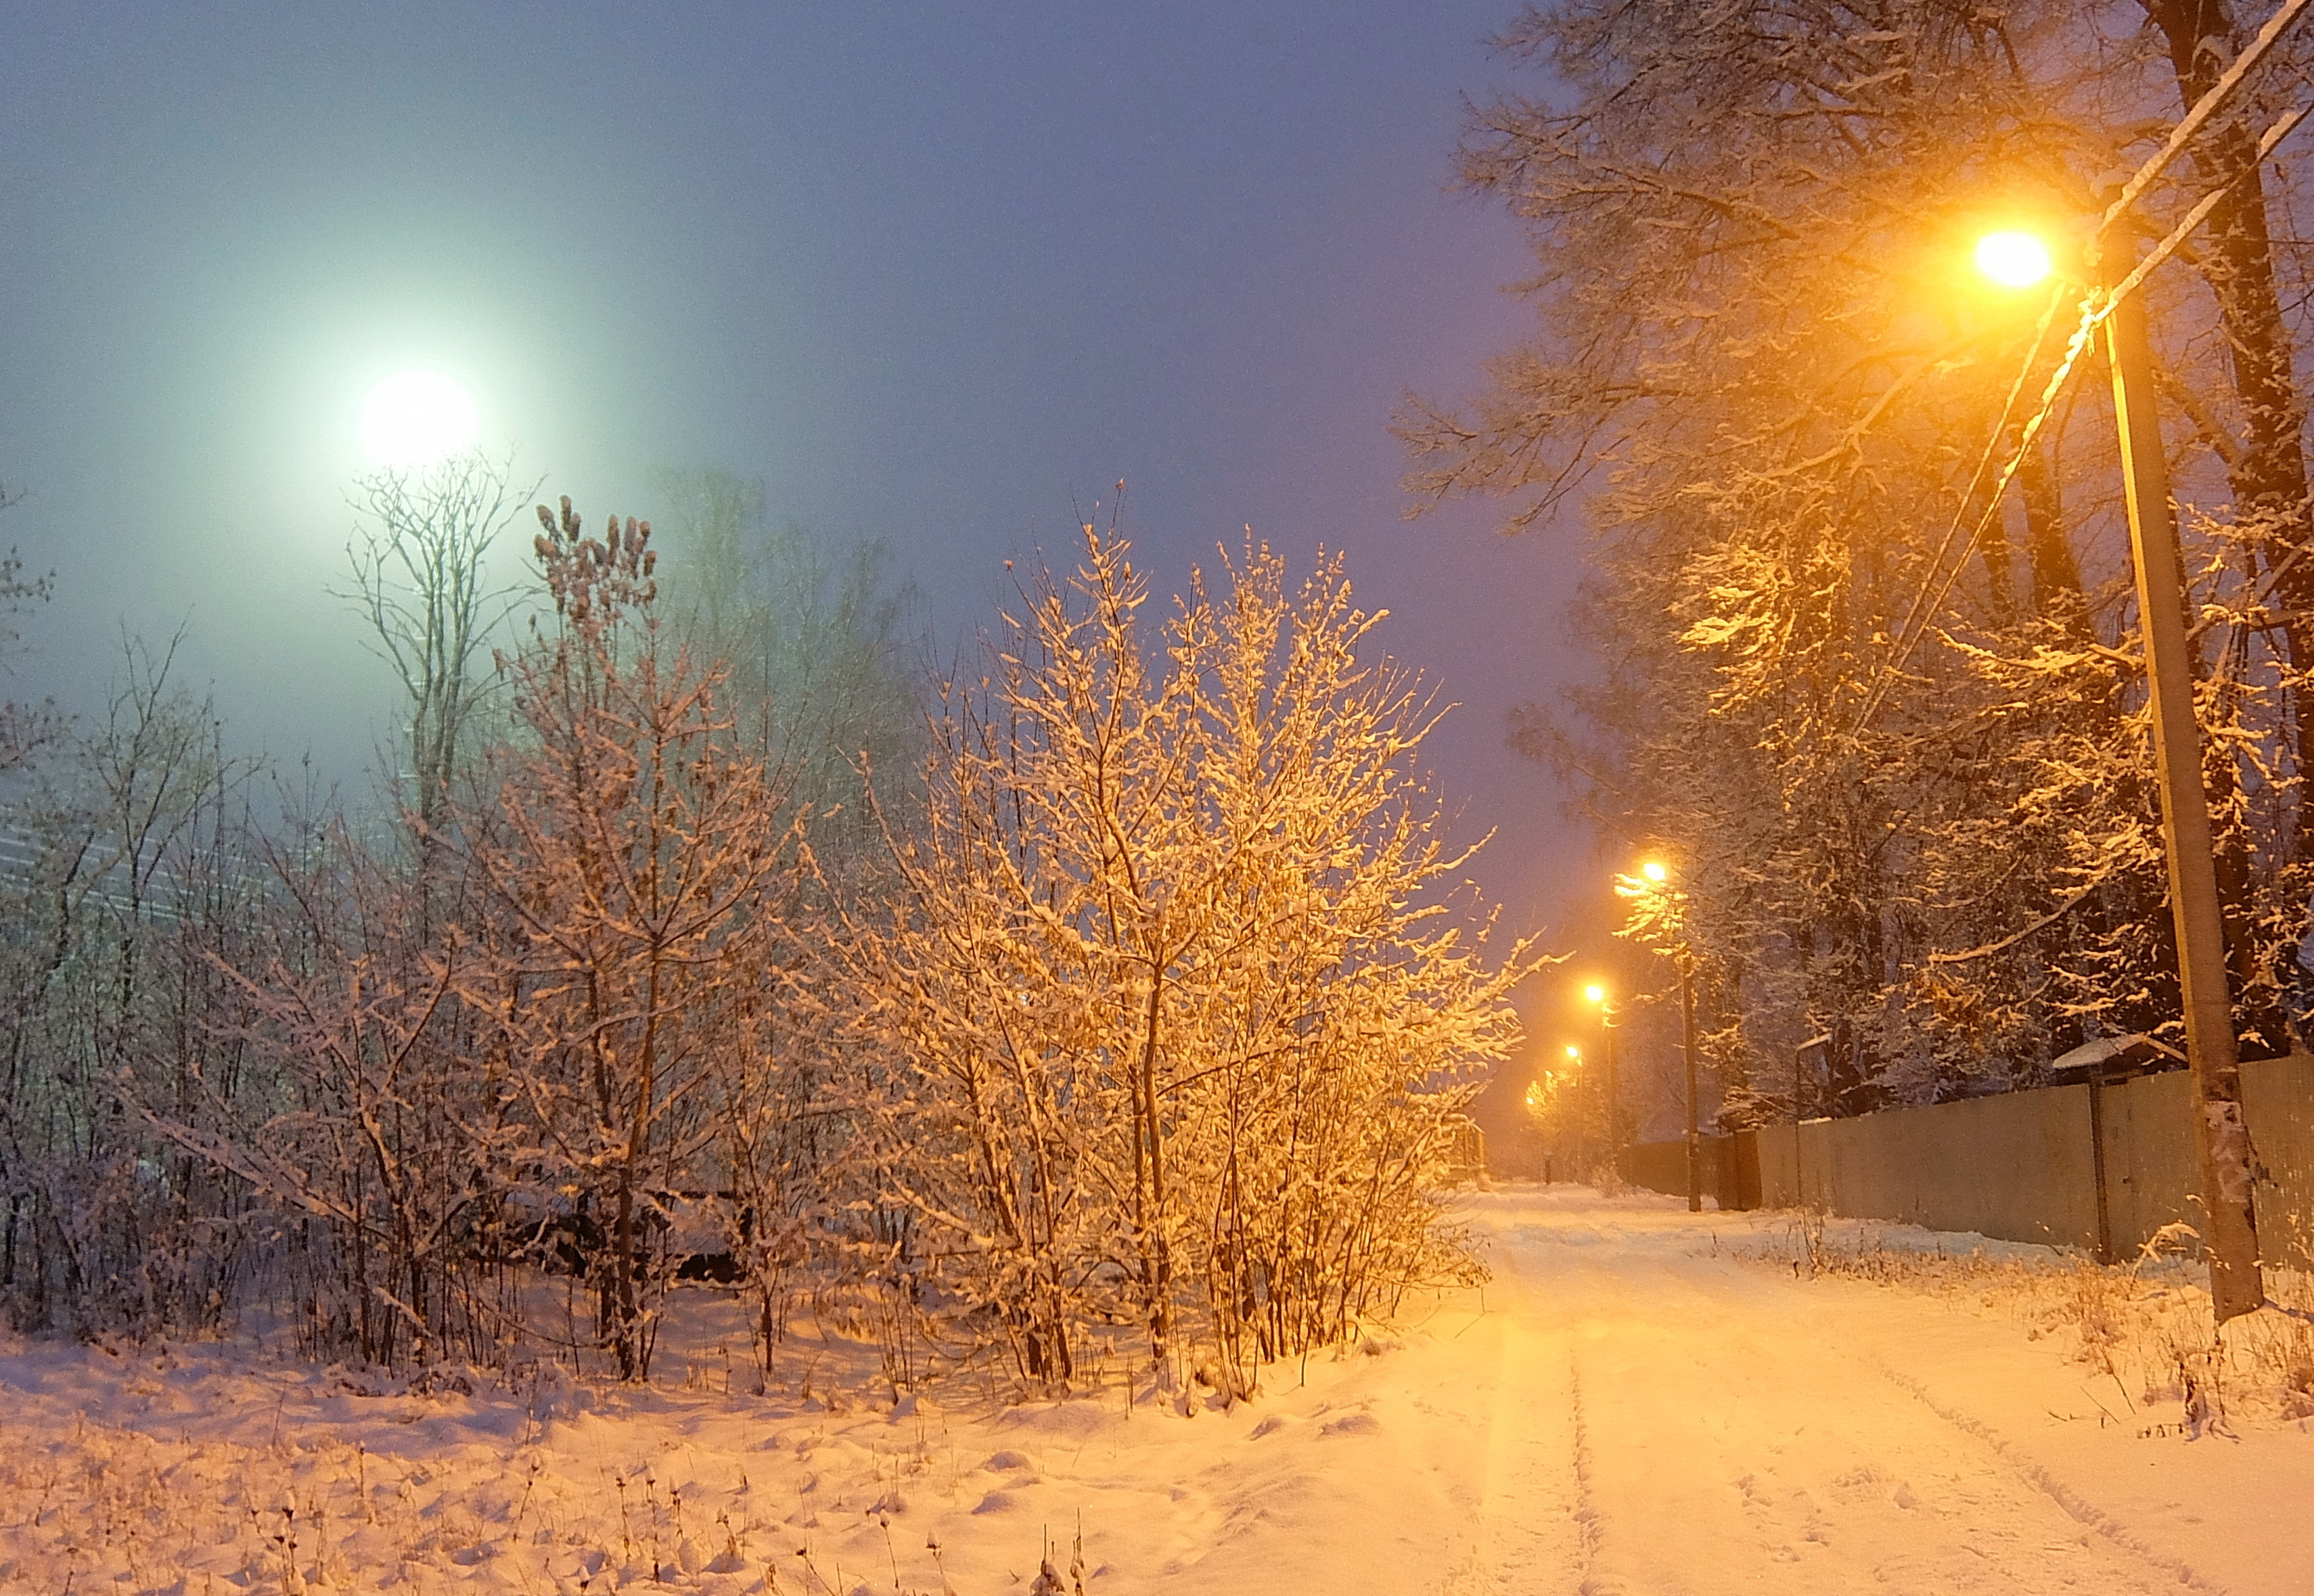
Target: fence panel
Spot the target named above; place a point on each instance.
(2278, 1099)
(2022, 1167)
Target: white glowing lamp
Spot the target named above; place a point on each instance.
(2013, 260)
(418, 418)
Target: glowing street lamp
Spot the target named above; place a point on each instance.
(2013, 260)
(416, 419)
(2222, 1138)
(1597, 994)
(1653, 885)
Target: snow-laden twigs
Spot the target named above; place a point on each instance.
(1189, 1026)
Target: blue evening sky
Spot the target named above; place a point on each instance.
(937, 274)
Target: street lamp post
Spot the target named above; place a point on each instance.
(1655, 885)
(2221, 1132)
(1582, 1084)
(1598, 994)
(1687, 1045)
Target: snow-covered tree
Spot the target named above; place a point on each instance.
(1858, 577)
(631, 857)
(1187, 1022)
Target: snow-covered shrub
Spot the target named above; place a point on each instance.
(1183, 1020)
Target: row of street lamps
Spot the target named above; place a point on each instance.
(1652, 884)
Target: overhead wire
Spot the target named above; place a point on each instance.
(1930, 596)
(2095, 308)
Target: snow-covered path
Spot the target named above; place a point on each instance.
(1628, 1409)
(1639, 1412)
(1645, 1412)
(1726, 1430)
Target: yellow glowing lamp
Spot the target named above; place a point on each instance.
(1595, 992)
(1654, 872)
(1573, 1050)
(2013, 260)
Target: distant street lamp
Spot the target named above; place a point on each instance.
(1597, 994)
(2221, 1135)
(1665, 912)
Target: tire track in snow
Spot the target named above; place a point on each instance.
(1528, 1530)
(2075, 1505)
(2166, 1569)
(1587, 1494)
(1733, 1436)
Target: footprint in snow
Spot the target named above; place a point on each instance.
(1271, 1425)
(998, 1501)
(1006, 1461)
(1355, 1423)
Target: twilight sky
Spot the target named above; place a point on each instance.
(941, 275)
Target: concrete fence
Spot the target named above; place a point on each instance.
(2100, 1167)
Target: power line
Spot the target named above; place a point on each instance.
(2095, 308)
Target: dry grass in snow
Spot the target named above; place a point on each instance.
(212, 1470)
(2144, 1327)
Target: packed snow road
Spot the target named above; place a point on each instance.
(1641, 1403)
(1661, 1418)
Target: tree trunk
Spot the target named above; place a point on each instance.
(1157, 1263)
(2268, 477)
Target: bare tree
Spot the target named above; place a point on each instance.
(418, 557)
(824, 672)
(26, 729)
(134, 880)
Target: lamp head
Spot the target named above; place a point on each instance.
(1654, 871)
(1595, 992)
(2013, 259)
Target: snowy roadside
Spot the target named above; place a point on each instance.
(1630, 1405)
(188, 1470)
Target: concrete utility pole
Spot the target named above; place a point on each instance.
(1615, 1094)
(2220, 1132)
(1695, 1135)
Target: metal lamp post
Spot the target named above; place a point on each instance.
(1582, 1084)
(1655, 884)
(1598, 994)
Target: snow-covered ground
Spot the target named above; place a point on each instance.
(1640, 1401)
